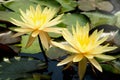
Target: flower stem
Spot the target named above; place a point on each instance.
(43, 52)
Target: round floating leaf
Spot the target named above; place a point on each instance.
(33, 49)
(100, 18)
(71, 20)
(16, 5)
(6, 16)
(49, 3)
(67, 5)
(88, 5)
(108, 6)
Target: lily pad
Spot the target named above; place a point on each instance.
(67, 5)
(99, 18)
(33, 49)
(16, 5)
(72, 19)
(6, 16)
(88, 5)
(49, 3)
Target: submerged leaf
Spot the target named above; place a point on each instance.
(54, 53)
(41, 77)
(113, 66)
(15, 69)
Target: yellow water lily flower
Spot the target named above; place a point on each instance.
(38, 22)
(83, 45)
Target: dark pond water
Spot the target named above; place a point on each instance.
(57, 73)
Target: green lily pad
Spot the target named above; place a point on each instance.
(6, 16)
(67, 5)
(49, 3)
(72, 19)
(118, 19)
(16, 5)
(33, 49)
(99, 18)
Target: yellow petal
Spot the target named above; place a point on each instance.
(23, 14)
(95, 35)
(51, 13)
(107, 57)
(65, 47)
(78, 58)
(21, 24)
(102, 49)
(28, 21)
(32, 9)
(69, 38)
(45, 39)
(54, 21)
(35, 33)
(95, 64)
(55, 30)
(30, 41)
(18, 34)
(108, 48)
(26, 17)
(67, 60)
(23, 30)
(38, 10)
(102, 40)
(89, 56)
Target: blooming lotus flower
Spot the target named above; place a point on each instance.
(38, 22)
(82, 45)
